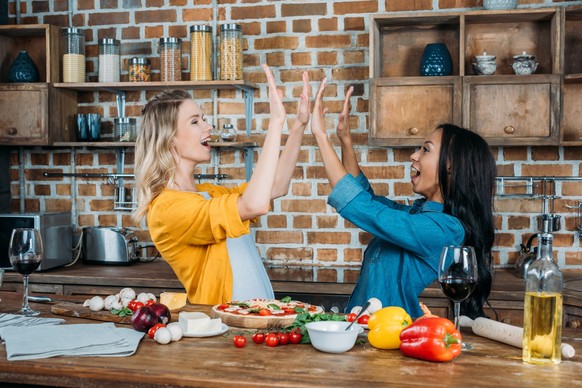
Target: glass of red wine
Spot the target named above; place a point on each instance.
(25, 253)
(458, 277)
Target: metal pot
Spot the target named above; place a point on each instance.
(527, 255)
(553, 222)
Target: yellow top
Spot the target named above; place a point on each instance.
(190, 233)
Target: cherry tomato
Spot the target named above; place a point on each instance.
(295, 337)
(363, 320)
(154, 328)
(351, 317)
(259, 338)
(272, 340)
(131, 305)
(150, 302)
(222, 306)
(264, 312)
(283, 338)
(239, 341)
(137, 305)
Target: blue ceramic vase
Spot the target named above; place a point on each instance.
(436, 60)
(23, 69)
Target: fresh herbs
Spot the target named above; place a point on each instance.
(304, 317)
(123, 312)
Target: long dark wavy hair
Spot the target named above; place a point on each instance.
(467, 173)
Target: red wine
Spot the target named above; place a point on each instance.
(25, 267)
(458, 289)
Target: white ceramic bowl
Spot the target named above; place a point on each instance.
(332, 337)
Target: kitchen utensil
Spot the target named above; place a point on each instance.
(25, 253)
(527, 255)
(362, 311)
(44, 299)
(332, 336)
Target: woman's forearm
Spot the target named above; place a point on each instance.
(288, 160)
(334, 168)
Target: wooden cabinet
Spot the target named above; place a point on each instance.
(572, 97)
(504, 108)
(33, 113)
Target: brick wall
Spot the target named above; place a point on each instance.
(326, 38)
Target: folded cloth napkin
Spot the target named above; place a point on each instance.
(14, 320)
(102, 339)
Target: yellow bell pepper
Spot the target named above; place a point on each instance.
(385, 326)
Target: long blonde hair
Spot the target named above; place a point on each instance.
(155, 164)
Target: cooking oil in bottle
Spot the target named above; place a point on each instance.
(542, 321)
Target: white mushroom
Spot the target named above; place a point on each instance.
(96, 303)
(143, 297)
(125, 301)
(87, 303)
(175, 330)
(375, 305)
(110, 301)
(127, 293)
(116, 305)
(152, 297)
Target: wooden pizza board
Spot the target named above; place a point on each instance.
(254, 322)
(79, 311)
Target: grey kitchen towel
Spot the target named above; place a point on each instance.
(102, 339)
(15, 320)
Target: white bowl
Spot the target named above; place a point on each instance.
(332, 337)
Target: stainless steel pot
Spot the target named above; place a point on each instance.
(553, 221)
(527, 255)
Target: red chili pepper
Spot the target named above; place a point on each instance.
(431, 339)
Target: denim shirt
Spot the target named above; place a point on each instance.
(403, 257)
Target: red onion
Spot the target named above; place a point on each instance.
(143, 319)
(162, 312)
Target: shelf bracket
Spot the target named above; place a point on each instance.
(120, 98)
(249, 98)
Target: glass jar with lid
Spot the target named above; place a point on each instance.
(124, 129)
(200, 53)
(170, 50)
(139, 69)
(231, 51)
(73, 59)
(109, 60)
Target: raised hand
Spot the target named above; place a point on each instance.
(343, 125)
(318, 118)
(303, 111)
(276, 106)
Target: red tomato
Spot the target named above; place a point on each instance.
(258, 338)
(272, 339)
(154, 328)
(264, 312)
(363, 320)
(239, 341)
(283, 338)
(351, 317)
(222, 306)
(137, 306)
(131, 305)
(289, 311)
(150, 302)
(295, 337)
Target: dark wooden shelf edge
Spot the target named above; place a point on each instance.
(156, 85)
(113, 144)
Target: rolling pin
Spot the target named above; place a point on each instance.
(502, 332)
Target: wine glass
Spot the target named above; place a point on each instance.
(458, 277)
(25, 252)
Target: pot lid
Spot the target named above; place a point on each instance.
(523, 55)
(484, 57)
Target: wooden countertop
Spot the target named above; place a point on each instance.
(215, 362)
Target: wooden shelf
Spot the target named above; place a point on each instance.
(573, 78)
(156, 85)
(113, 144)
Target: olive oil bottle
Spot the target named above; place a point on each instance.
(542, 322)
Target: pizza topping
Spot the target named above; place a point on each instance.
(267, 307)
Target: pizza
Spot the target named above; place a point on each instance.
(261, 313)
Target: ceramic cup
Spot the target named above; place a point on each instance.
(81, 129)
(93, 126)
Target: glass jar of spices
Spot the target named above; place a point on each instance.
(109, 60)
(170, 59)
(200, 53)
(230, 52)
(139, 69)
(124, 129)
(73, 59)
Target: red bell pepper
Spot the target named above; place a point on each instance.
(431, 339)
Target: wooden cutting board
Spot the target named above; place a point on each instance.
(77, 310)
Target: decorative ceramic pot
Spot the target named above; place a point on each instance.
(23, 69)
(485, 64)
(436, 60)
(524, 64)
(499, 4)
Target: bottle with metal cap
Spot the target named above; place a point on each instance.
(231, 51)
(200, 53)
(139, 69)
(109, 60)
(170, 50)
(73, 59)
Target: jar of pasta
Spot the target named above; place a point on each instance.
(230, 52)
(200, 53)
(170, 50)
(109, 60)
(139, 69)
(73, 59)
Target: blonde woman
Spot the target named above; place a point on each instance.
(202, 230)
